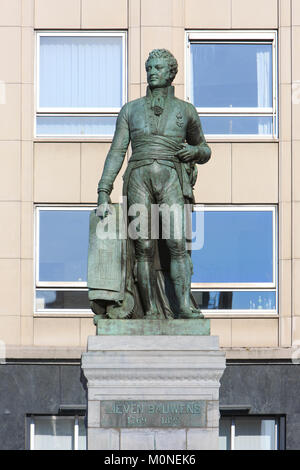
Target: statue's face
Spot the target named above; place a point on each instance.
(158, 73)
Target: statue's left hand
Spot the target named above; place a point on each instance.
(188, 153)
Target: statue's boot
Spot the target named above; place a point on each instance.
(146, 283)
(181, 276)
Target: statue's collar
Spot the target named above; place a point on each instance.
(166, 91)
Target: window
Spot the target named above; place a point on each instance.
(231, 80)
(62, 235)
(57, 433)
(249, 433)
(81, 83)
(235, 268)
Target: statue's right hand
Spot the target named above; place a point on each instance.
(103, 208)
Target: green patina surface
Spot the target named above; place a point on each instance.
(199, 327)
(153, 413)
(149, 276)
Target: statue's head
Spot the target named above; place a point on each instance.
(161, 68)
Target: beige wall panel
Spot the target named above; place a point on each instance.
(57, 14)
(296, 284)
(134, 13)
(27, 111)
(285, 56)
(57, 172)
(180, 91)
(178, 13)
(285, 286)
(221, 327)
(156, 13)
(10, 107)
(134, 55)
(103, 14)
(10, 171)
(296, 230)
(296, 117)
(295, 12)
(296, 170)
(285, 230)
(134, 92)
(10, 12)
(254, 14)
(93, 156)
(296, 337)
(172, 39)
(255, 173)
(284, 12)
(92, 162)
(26, 331)
(57, 331)
(143, 88)
(9, 287)
(207, 14)
(27, 12)
(256, 332)
(214, 177)
(285, 112)
(285, 172)
(28, 46)
(116, 195)
(10, 229)
(87, 328)
(27, 171)
(295, 53)
(154, 38)
(27, 230)
(27, 287)
(10, 55)
(178, 49)
(10, 330)
(162, 13)
(285, 332)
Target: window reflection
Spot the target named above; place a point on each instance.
(60, 299)
(237, 125)
(238, 247)
(235, 300)
(232, 75)
(63, 245)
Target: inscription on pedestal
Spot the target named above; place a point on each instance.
(156, 413)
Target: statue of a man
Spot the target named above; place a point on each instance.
(167, 143)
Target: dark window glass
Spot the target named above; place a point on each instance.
(62, 299)
(235, 300)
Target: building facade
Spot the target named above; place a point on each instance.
(67, 67)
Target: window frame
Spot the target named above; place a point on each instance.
(219, 36)
(243, 287)
(82, 112)
(74, 418)
(55, 285)
(279, 427)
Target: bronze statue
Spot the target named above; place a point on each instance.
(167, 144)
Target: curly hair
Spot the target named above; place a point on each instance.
(164, 54)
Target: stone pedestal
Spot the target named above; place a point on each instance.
(153, 392)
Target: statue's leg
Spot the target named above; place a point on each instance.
(180, 264)
(144, 250)
(139, 204)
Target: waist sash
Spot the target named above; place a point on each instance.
(157, 147)
(146, 148)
